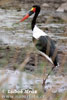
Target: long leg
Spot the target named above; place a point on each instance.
(47, 76)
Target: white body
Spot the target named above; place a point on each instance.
(37, 32)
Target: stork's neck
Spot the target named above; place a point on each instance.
(34, 20)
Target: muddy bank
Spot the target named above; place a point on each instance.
(18, 4)
(29, 59)
(12, 57)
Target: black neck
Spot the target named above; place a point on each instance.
(34, 20)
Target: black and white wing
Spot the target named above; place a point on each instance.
(47, 48)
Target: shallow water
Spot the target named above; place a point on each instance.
(21, 35)
(10, 35)
(21, 80)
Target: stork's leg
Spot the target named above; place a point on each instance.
(44, 80)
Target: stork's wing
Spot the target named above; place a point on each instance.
(46, 45)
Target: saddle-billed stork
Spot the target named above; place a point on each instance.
(42, 41)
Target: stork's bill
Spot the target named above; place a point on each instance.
(29, 14)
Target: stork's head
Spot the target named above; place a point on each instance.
(34, 9)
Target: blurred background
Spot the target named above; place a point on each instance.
(21, 65)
